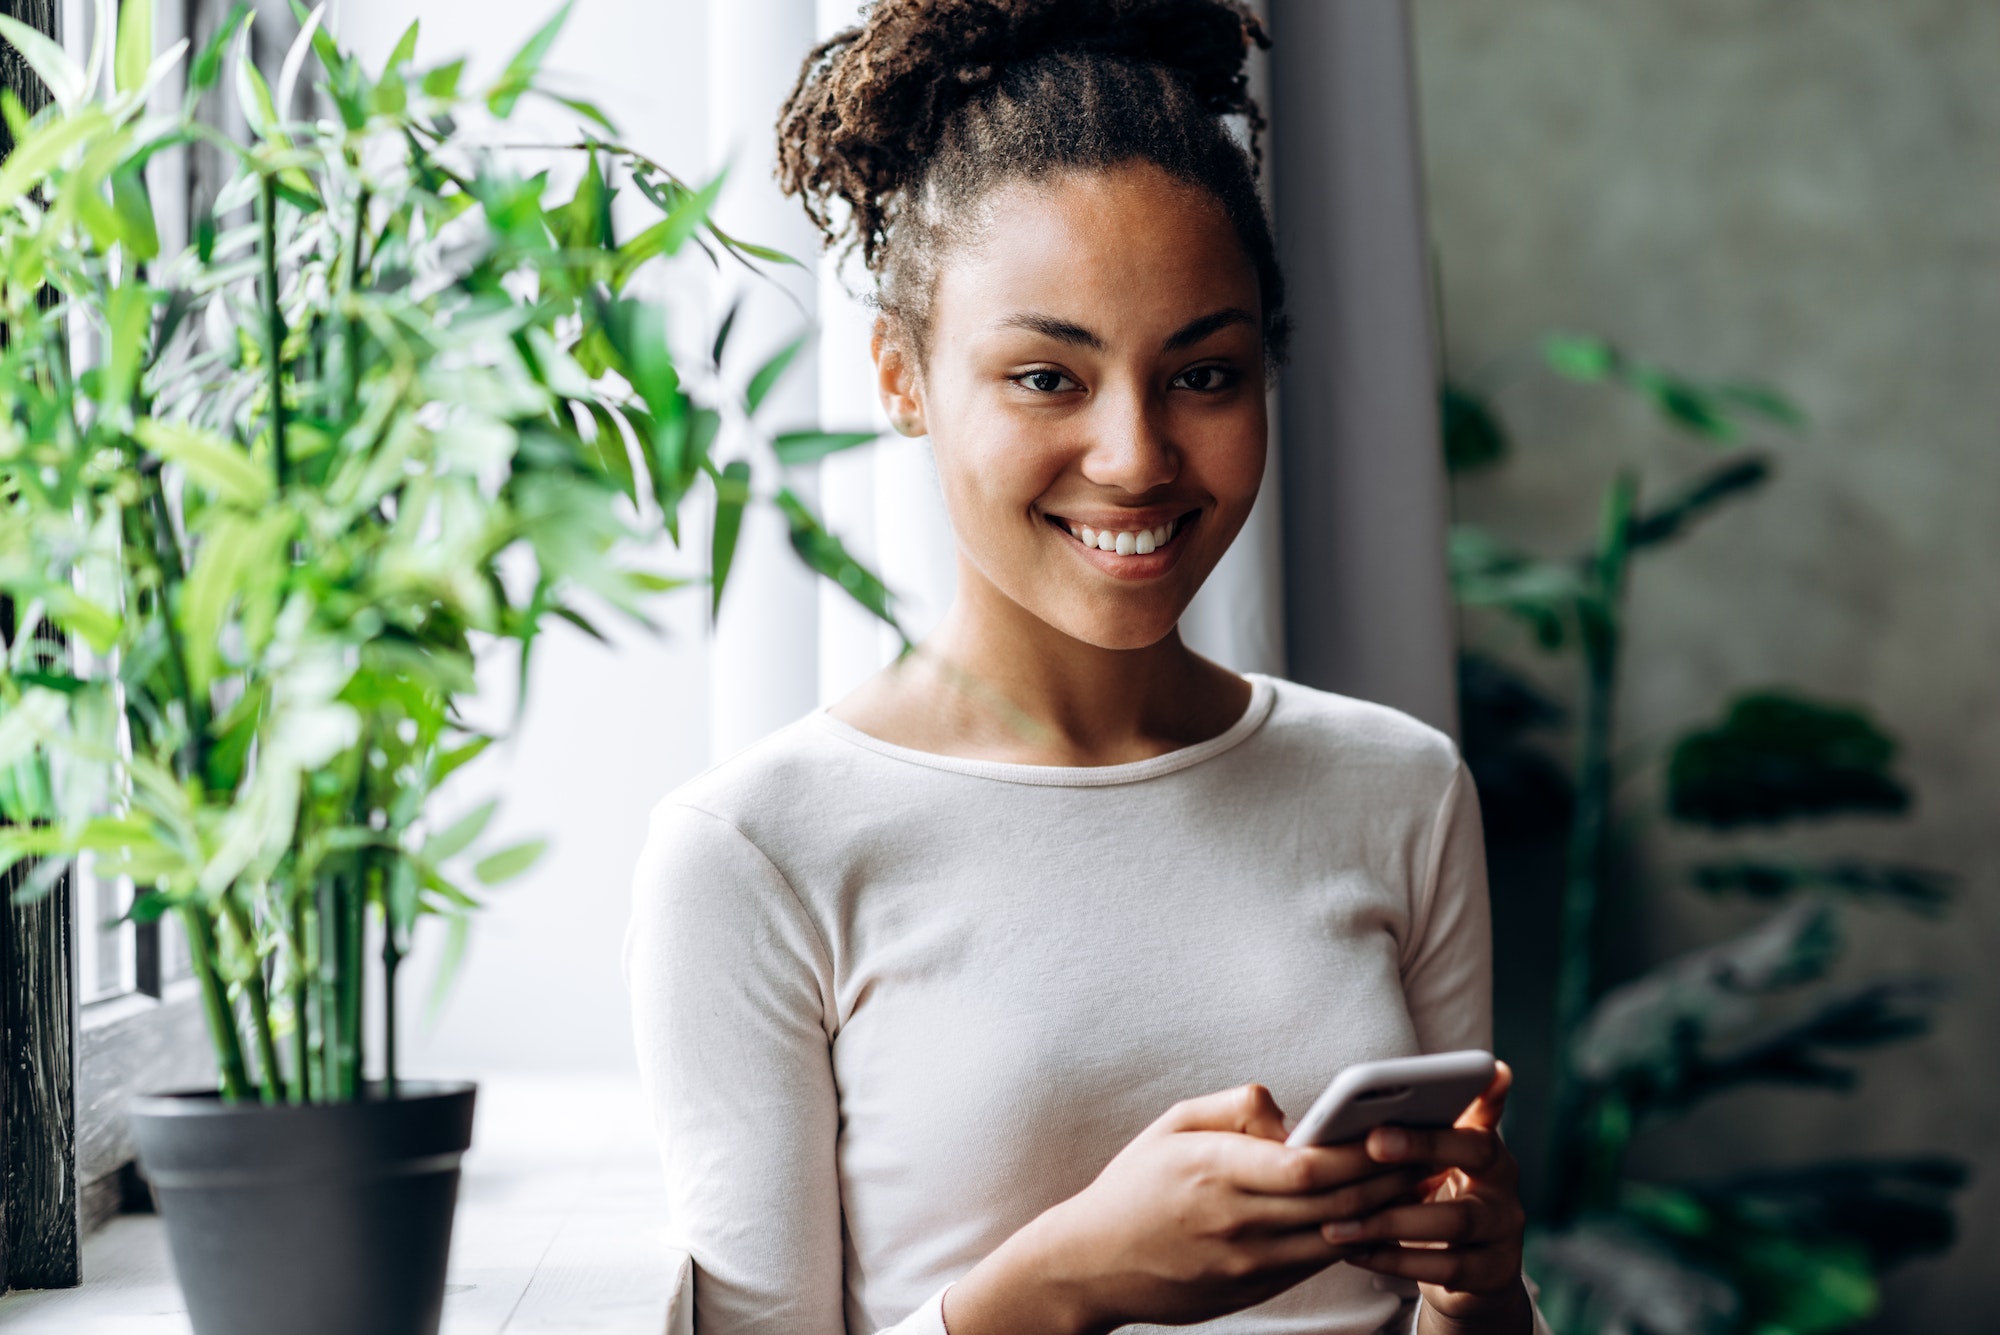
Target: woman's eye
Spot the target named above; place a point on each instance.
(1045, 382)
(1203, 378)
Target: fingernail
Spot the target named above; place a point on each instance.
(1391, 1143)
(1343, 1228)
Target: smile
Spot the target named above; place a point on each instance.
(1126, 547)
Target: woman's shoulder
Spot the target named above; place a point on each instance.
(1323, 730)
(798, 769)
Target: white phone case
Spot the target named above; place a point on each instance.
(1431, 1090)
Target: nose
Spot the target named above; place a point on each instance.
(1129, 447)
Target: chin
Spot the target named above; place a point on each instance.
(1122, 628)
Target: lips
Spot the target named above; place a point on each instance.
(1129, 547)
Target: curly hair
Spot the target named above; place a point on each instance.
(898, 126)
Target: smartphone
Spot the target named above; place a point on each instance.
(1431, 1090)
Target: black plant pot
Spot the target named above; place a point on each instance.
(319, 1220)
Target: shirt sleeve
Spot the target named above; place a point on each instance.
(732, 1000)
(1448, 958)
(1448, 975)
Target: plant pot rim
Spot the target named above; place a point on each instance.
(209, 1103)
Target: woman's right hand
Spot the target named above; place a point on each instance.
(1206, 1212)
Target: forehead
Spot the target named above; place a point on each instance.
(1126, 249)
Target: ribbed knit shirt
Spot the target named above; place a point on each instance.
(891, 1005)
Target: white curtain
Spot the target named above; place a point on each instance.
(778, 649)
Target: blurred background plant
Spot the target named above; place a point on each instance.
(1793, 1249)
(262, 502)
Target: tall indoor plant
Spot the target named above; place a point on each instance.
(261, 501)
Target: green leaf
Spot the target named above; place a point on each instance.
(134, 207)
(509, 862)
(457, 929)
(135, 44)
(1918, 889)
(209, 459)
(1722, 484)
(66, 81)
(527, 62)
(825, 554)
(803, 447)
(442, 82)
(590, 111)
(732, 493)
(207, 67)
(1581, 356)
(767, 375)
(689, 213)
(458, 836)
(404, 50)
(128, 322)
(1764, 401)
(450, 762)
(1776, 757)
(1473, 436)
(34, 157)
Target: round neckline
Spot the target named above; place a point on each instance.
(1262, 695)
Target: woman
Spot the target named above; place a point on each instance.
(934, 989)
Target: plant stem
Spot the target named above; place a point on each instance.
(301, 989)
(353, 932)
(215, 1002)
(274, 323)
(268, 1083)
(331, 1011)
(1578, 1174)
(392, 959)
(350, 328)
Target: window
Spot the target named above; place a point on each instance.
(93, 1008)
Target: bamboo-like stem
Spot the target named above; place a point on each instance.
(357, 239)
(215, 1003)
(392, 960)
(274, 326)
(301, 1091)
(1580, 1174)
(269, 1082)
(353, 939)
(331, 1012)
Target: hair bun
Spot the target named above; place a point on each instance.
(873, 101)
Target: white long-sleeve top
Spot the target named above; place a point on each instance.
(891, 1005)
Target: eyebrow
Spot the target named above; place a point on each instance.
(1064, 331)
(1194, 331)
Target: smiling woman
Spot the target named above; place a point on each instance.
(936, 988)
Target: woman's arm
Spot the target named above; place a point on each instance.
(1471, 1284)
(1206, 1212)
(731, 990)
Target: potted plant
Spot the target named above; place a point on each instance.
(395, 405)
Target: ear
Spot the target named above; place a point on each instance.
(897, 379)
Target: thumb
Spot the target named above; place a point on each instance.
(1483, 1113)
(1248, 1110)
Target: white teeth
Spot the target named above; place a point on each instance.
(1133, 542)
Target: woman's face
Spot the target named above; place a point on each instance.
(1094, 395)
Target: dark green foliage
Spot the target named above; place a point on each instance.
(1787, 1252)
(1473, 436)
(1777, 756)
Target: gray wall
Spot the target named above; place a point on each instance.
(1806, 193)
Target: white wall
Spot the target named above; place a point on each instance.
(606, 733)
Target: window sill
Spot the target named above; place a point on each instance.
(559, 1227)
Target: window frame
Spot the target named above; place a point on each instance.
(69, 1068)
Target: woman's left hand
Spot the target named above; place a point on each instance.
(1462, 1241)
